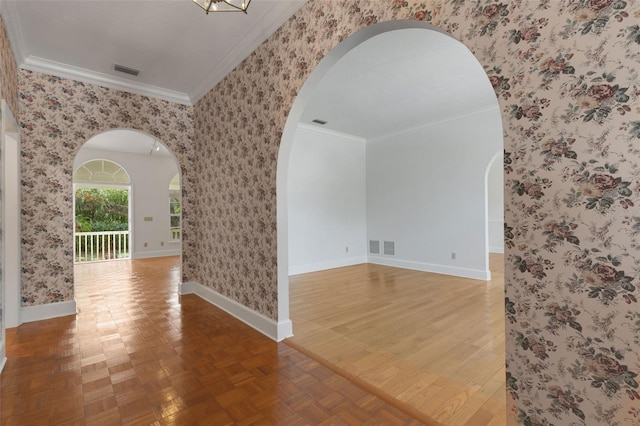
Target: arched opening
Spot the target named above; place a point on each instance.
(457, 166)
(495, 204)
(153, 175)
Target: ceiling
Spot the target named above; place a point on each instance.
(400, 80)
(181, 52)
(395, 81)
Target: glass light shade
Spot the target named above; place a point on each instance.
(223, 5)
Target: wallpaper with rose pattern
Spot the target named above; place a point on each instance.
(565, 73)
(57, 117)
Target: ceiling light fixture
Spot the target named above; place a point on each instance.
(223, 5)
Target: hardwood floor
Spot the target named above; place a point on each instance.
(433, 342)
(138, 354)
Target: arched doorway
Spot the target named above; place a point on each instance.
(155, 188)
(461, 149)
(296, 114)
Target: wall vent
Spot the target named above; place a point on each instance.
(374, 247)
(390, 248)
(126, 70)
(320, 122)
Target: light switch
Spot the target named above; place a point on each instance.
(148, 218)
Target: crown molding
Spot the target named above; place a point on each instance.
(249, 43)
(328, 132)
(14, 31)
(436, 123)
(34, 63)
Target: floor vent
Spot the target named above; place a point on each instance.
(374, 247)
(390, 248)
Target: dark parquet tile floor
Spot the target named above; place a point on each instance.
(137, 353)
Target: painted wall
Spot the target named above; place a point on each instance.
(57, 117)
(495, 205)
(561, 71)
(426, 193)
(150, 177)
(327, 209)
(8, 93)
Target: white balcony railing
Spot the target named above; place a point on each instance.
(175, 233)
(96, 246)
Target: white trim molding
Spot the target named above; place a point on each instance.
(328, 132)
(159, 253)
(475, 274)
(322, 266)
(496, 250)
(47, 311)
(275, 330)
(46, 66)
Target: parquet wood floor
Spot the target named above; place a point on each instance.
(433, 342)
(138, 354)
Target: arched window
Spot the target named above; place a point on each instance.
(101, 171)
(175, 207)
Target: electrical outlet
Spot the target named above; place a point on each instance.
(161, 243)
(346, 249)
(453, 255)
(145, 244)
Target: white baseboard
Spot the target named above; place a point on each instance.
(275, 330)
(476, 274)
(496, 250)
(3, 362)
(159, 253)
(321, 266)
(47, 311)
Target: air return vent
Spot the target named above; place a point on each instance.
(374, 247)
(390, 248)
(126, 70)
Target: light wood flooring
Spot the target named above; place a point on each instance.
(433, 342)
(138, 354)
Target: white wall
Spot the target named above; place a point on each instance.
(495, 205)
(426, 192)
(150, 176)
(327, 204)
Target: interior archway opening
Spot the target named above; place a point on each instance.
(424, 182)
(148, 170)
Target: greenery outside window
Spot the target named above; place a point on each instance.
(175, 208)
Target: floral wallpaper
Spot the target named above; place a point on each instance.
(57, 117)
(8, 72)
(565, 73)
